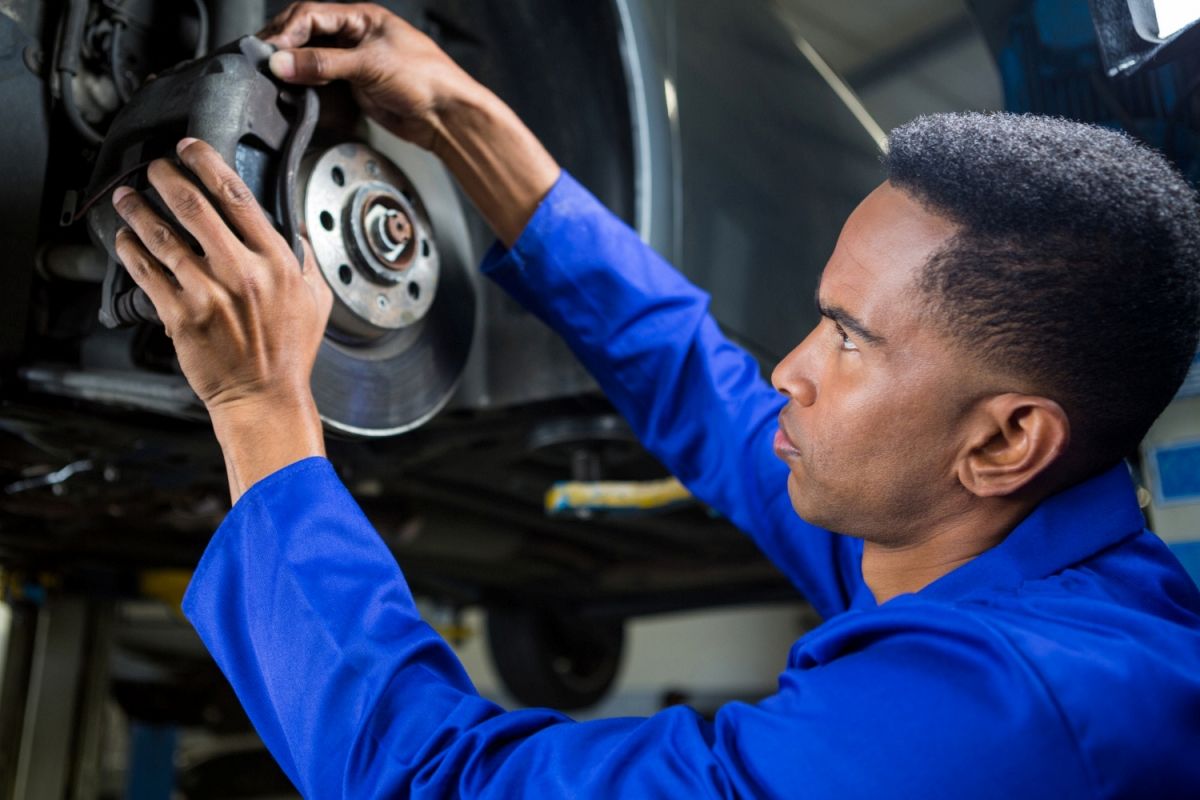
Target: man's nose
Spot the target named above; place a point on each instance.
(792, 376)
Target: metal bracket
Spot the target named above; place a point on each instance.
(261, 127)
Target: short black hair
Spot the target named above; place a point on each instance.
(1076, 264)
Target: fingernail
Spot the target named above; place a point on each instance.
(185, 143)
(283, 64)
(120, 193)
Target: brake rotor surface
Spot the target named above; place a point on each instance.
(404, 309)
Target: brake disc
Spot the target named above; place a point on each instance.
(404, 307)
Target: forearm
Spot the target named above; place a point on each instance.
(495, 158)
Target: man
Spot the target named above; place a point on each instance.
(1002, 320)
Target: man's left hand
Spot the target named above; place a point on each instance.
(245, 318)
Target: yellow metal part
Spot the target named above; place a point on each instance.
(455, 634)
(165, 585)
(615, 496)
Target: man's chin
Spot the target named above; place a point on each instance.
(803, 499)
(812, 505)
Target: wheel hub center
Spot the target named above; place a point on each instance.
(389, 232)
(373, 240)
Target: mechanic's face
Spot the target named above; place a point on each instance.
(876, 398)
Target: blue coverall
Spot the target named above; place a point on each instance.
(1063, 663)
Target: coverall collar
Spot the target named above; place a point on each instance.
(1062, 531)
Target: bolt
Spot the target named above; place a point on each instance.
(399, 227)
(382, 302)
(389, 232)
(372, 169)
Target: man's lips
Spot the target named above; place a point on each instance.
(785, 448)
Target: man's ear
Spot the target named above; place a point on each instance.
(1013, 438)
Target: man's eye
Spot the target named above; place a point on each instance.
(846, 343)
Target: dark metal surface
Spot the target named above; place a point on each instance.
(228, 101)
(772, 163)
(288, 213)
(44, 764)
(25, 133)
(59, 699)
(1127, 34)
(564, 68)
(913, 52)
(14, 687)
(233, 19)
(169, 395)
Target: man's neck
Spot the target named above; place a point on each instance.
(891, 569)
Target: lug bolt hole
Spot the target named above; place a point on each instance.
(345, 274)
(414, 291)
(327, 220)
(425, 248)
(339, 177)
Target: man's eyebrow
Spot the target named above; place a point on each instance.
(847, 320)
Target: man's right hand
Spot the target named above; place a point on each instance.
(399, 76)
(404, 81)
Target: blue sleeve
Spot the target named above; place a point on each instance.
(696, 401)
(306, 612)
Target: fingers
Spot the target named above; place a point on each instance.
(235, 199)
(157, 237)
(317, 66)
(346, 26)
(147, 274)
(191, 209)
(301, 22)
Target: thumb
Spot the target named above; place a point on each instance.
(316, 66)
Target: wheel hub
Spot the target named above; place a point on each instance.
(373, 240)
(402, 320)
